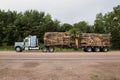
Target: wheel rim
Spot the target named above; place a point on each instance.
(17, 49)
(51, 49)
(89, 49)
(44, 50)
(97, 49)
(105, 49)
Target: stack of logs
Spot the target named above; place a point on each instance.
(93, 39)
(57, 38)
(84, 39)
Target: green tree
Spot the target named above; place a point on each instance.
(109, 23)
(99, 26)
(57, 25)
(1, 33)
(66, 27)
(10, 36)
(114, 26)
(80, 27)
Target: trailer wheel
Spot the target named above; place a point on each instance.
(51, 49)
(44, 49)
(18, 49)
(105, 49)
(97, 49)
(84, 49)
(88, 49)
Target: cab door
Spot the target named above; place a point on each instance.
(26, 42)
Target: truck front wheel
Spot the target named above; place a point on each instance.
(18, 49)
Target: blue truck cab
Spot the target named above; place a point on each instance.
(30, 42)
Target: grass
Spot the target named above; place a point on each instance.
(66, 50)
(5, 48)
(96, 77)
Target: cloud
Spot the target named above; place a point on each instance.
(69, 11)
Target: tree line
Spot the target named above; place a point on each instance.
(15, 26)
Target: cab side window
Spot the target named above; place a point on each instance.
(26, 40)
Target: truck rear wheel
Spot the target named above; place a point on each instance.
(44, 49)
(18, 49)
(84, 49)
(97, 49)
(51, 49)
(88, 49)
(105, 49)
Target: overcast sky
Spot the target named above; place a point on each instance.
(66, 11)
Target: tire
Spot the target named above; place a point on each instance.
(88, 49)
(18, 49)
(97, 49)
(84, 49)
(51, 49)
(105, 49)
(44, 49)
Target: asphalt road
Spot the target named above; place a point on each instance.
(112, 56)
(59, 66)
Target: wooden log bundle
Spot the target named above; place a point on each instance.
(84, 39)
(93, 39)
(57, 38)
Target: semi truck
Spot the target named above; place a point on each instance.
(87, 41)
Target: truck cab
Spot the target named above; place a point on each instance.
(29, 43)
